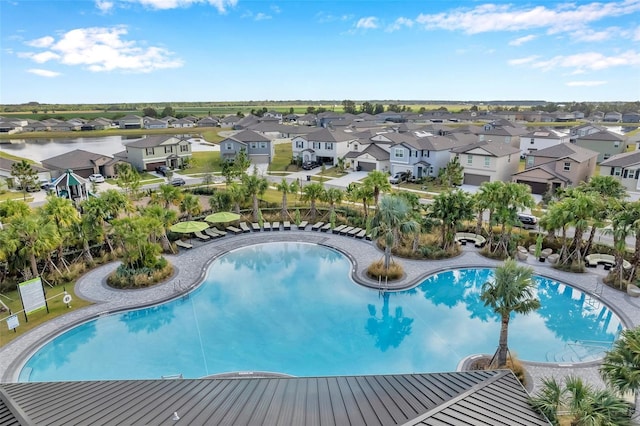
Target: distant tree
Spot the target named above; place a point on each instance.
(25, 176)
(379, 108)
(150, 112)
(367, 108)
(168, 112)
(311, 110)
(128, 178)
(291, 110)
(349, 106)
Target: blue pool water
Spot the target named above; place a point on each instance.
(292, 308)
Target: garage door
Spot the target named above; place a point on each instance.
(366, 167)
(477, 180)
(152, 166)
(536, 187)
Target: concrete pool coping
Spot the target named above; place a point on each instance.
(192, 264)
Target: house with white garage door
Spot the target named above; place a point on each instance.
(624, 167)
(324, 146)
(422, 157)
(541, 139)
(487, 162)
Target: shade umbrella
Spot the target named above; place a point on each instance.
(188, 227)
(222, 217)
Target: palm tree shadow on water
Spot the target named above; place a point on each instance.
(388, 330)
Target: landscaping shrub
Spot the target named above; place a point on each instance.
(377, 270)
(127, 278)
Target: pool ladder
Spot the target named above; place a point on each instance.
(572, 354)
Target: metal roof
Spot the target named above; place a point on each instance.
(462, 397)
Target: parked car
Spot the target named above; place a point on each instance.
(97, 178)
(309, 165)
(177, 181)
(399, 177)
(527, 221)
(162, 170)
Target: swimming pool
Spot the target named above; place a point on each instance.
(292, 308)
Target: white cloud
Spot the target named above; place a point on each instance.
(262, 16)
(221, 5)
(588, 35)
(522, 61)
(324, 18)
(590, 61)
(369, 23)
(43, 73)
(104, 6)
(585, 83)
(492, 17)
(42, 42)
(399, 24)
(636, 34)
(104, 49)
(275, 8)
(521, 40)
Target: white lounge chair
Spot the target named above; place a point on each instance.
(183, 244)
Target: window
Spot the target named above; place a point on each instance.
(398, 153)
(316, 145)
(617, 171)
(229, 146)
(507, 139)
(530, 160)
(168, 149)
(532, 141)
(616, 144)
(184, 148)
(253, 145)
(263, 145)
(606, 156)
(328, 145)
(487, 161)
(300, 144)
(149, 151)
(566, 167)
(355, 146)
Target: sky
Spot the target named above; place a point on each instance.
(132, 51)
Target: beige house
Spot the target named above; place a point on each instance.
(624, 167)
(158, 150)
(558, 166)
(487, 162)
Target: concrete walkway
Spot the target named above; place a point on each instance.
(191, 265)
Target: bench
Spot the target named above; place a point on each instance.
(354, 232)
(594, 259)
(325, 227)
(346, 230)
(266, 226)
(201, 236)
(463, 237)
(361, 234)
(183, 244)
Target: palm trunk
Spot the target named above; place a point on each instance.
(313, 210)
(479, 222)
(387, 257)
(284, 212)
(592, 235)
(86, 252)
(636, 258)
(503, 347)
(255, 208)
(34, 265)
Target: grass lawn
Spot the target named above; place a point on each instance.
(204, 162)
(15, 196)
(15, 157)
(281, 158)
(56, 308)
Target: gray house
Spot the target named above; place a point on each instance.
(259, 148)
(82, 163)
(158, 150)
(131, 122)
(423, 157)
(624, 167)
(606, 143)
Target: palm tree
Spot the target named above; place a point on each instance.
(190, 205)
(378, 181)
(511, 291)
(486, 199)
(620, 368)
(332, 196)
(63, 214)
(392, 218)
(166, 218)
(254, 187)
(312, 193)
(168, 195)
(11, 209)
(579, 403)
(286, 188)
(361, 193)
(451, 208)
(510, 199)
(237, 195)
(25, 176)
(220, 201)
(37, 239)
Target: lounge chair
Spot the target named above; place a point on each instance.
(303, 225)
(354, 232)
(234, 230)
(219, 231)
(316, 226)
(201, 236)
(344, 231)
(325, 227)
(267, 226)
(275, 226)
(212, 233)
(286, 225)
(183, 244)
(337, 229)
(361, 234)
(255, 226)
(245, 227)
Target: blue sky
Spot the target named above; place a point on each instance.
(114, 51)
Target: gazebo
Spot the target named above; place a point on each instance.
(71, 186)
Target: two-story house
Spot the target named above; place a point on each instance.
(624, 167)
(422, 156)
(259, 148)
(131, 122)
(558, 166)
(487, 162)
(502, 132)
(605, 142)
(584, 130)
(158, 150)
(323, 146)
(541, 139)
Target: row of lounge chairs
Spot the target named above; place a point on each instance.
(349, 231)
(244, 227)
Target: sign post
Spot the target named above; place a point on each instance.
(32, 296)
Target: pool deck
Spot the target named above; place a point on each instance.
(191, 265)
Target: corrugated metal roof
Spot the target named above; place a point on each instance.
(344, 400)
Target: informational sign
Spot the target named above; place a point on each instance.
(32, 295)
(12, 322)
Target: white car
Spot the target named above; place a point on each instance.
(97, 178)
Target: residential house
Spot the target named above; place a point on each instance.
(6, 165)
(131, 122)
(487, 162)
(97, 124)
(577, 115)
(35, 126)
(541, 139)
(228, 121)
(324, 146)
(59, 125)
(9, 126)
(259, 148)
(492, 397)
(158, 150)
(502, 132)
(273, 114)
(183, 123)
(307, 120)
(559, 166)
(624, 167)
(612, 117)
(155, 123)
(421, 156)
(82, 163)
(631, 117)
(605, 142)
(372, 156)
(583, 130)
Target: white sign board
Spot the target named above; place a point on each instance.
(12, 322)
(32, 295)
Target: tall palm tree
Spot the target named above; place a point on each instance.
(620, 368)
(361, 193)
(190, 205)
(237, 195)
(312, 193)
(392, 218)
(286, 188)
(11, 209)
(512, 290)
(487, 199)
(37, 239)
(63, 214)
(166, 218)
(451, 208)
(378, 181)
(168, 195)
(332, 196)
(510, 199)
(254, 186)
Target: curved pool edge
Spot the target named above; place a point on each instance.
(194, 264)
